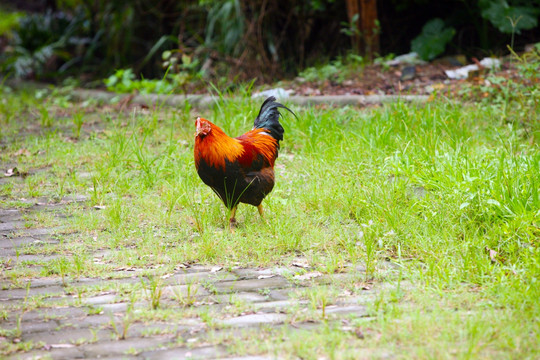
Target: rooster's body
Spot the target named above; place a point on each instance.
(240, 169)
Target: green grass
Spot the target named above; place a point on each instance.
(446, 191)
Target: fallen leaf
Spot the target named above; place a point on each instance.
(125, 269)
(216, 269)
(99, 207)
(307, 276)
(301, 263)
(11, 172)
(492, 254)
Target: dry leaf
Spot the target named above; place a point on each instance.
(301, 263)
(492, 254)
(99, 207)
(216, 269)
(11, 172)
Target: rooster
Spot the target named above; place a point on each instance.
(240, 170)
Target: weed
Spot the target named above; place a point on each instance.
(320, 297)
(188, 297)
(153, 290)
(208, 318)
(127, 320)
(78, 122)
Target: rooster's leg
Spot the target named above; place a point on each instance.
(232, 220)
(261, 211)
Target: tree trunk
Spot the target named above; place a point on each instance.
(366, 39)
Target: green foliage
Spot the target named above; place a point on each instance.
(335, 71)
(433, 39)
(181, 71)
(9, 21)
(510, 18)
(225, 26)
(44, 43)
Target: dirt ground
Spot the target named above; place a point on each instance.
(423, 79)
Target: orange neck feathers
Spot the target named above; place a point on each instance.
(216, 147)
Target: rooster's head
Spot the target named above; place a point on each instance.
(203, 127)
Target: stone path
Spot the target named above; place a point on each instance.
(202, 309)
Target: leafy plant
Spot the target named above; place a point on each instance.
(336, 71)
(43, 43)
(509, 18)
(225, 26)
(8, 21)
(181, 70)
(433, 39)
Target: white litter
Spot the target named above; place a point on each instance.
(278, 93)
(463, 72)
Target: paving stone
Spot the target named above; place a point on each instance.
(156, 329)
(40, 282)
(12, 179)
(252, 284)
(117, 307)
(175, 291)
(88, 282)
(101, 299)
(68, 336)
(207, 352)
(39, 259)
(243, 296)
(38, 326)
(8, 253)
(281, 294)
(256, 273)
(118, 347)
(10, 215)
(354, 309)
(22, 293)
(198, 277)
(41, 231)
(8, 212)
(55, 313)
(74, 198)
(93, 320)
(17, 242)
(11, 225)
(364, 298)
(254, 319)
(278, 305)
(56, 354)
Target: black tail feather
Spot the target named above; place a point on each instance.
(268, 118)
